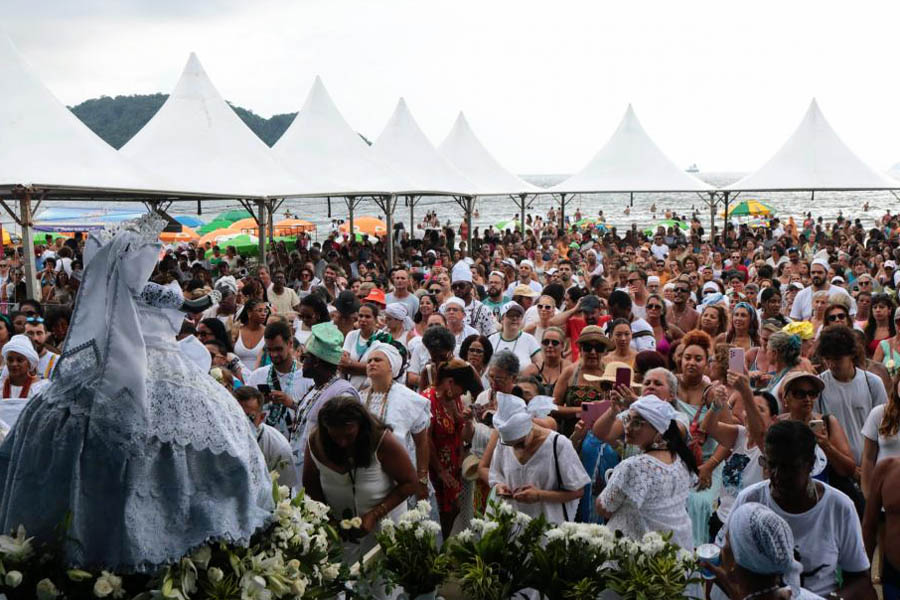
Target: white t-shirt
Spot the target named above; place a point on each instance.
(534, 285)
(827, 536)
(418, 356)
(851, 403)
(467, 330)
(887, 447)
(279, 456)
(524, 346)
(284, 303)
(740, 470)
(294, 384)
(355, 350)
(540, 471)
(802, 309)
(659, 252)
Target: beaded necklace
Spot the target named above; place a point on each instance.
(384, 401)
(306, 405)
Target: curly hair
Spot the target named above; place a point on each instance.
(720, 315)
(786, 346)
(696, 337)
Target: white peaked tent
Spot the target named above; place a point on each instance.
(196, 140)
(45, 146)
(631, 162)
(404, 147)
(466, 152)
(320, 140)
(814, 158)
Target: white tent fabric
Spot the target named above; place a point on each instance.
(319, 140)
(46, 146)
(631, 162)
(815, 158)
(466, 152)
(407, 150)
(197, 140)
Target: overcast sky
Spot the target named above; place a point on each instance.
(543, 83)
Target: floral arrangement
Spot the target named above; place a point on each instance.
(653, 567)
(297, 556)
(410, 552)
(493, 558)
(568, 562)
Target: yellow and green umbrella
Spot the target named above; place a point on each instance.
(750, 208)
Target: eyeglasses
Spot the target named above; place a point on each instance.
(682, 290)
(654, 307)
(598, 347)
(548, 342)
(545, 307)
(837, 317)
(34, 320)
(634, 422)
(634, 280)
(807, 393)
(476, 351)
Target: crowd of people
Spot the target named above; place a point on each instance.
(738, 391)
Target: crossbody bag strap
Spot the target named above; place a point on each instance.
(558, 477)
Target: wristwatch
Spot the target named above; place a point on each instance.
(424, 480)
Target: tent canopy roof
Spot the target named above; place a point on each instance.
(319, 140)
(814, 158)
(199, 142)
(48, 147)
(631, 162)
(407, 150)
(466, 152)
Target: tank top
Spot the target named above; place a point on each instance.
(575, 396)
(248, 356)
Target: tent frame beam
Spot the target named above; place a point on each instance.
(387, 204)
(467, 203)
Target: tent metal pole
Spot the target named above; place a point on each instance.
(270, 221)
(631, 199)
(199, 208)
(725, 224)
(522, 201)
(32, 290)
(388, 207)
(712, 217)
(562, 211)
(329, 207)
(470, 207)
(351, 204)
(261, 224)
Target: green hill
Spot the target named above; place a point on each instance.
(117, 119)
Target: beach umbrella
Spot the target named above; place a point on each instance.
(293, 227)
(234, 215)
(185, 235)
(213, 226)
(750, 208)
(189, 220)
(219, 236)
(591, 222)
(248, 245)
(367, 225)
(510, 224)
(665, 224)
(242, 224)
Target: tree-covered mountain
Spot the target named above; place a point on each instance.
(117, 119)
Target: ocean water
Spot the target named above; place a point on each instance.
(496, 209)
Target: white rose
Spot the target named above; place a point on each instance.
(46, 590)
(102, 588)
(331, 571)
(346, 524)
(298, 587)
(215, 574)
(202, 556)
(13, 579)
(356, 522)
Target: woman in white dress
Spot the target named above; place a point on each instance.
(357, 343)
(406, 412)
(19, 379)
(249, 341)
(534, 468)
(648, 492)
(146, 455)
(358, 468)
(398, 323)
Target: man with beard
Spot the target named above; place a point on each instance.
(566, 276)
(495, 297)
(526, 277)
(802, 309)
(329, 281)
(681, 314)
(37, 333)
(401, 294)
(284, 300)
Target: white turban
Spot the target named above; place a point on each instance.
(461, 272)
(398, 310)
(21, 344)
(710, 286)
(822, 262)
(651, 279)
(658, 413)
(390, 352)
(194, 350)
(511, 420)
(540, 406)
(452, 300)
(227, 283)
(761, 541)
(527, 263)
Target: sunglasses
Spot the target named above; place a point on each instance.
(596, 347)
(654, 307)
(635, 280)
(681, 290)
(545, 307)
(34, 320)
(551, 342)
(837, 317)
(808, 393)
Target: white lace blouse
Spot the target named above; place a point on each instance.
(645, 494)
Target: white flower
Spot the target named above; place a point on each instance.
(13, 579)
(554, 534)
(215, 574)
(652, 543)
(522, 519)
(16, 548)
(356, 522)
(284, 510)
(420, 533)
(431, 527)
(253, 587)
(298, 587)
(345, 524)
(102, 588)
(46, 590)
(490, 526)
(284, 491)
(331, 571)
(684, 556)
(202, 557)
(424, 507)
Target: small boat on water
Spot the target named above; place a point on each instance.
(693, 168)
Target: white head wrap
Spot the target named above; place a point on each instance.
(452, 300)
(499, 274)
(511, 420)
(761, 541)
(652, 279)
(710, 285)
(21, 344)
(461, 272)
(392, 354)
(194, 350)
(227, 283)
(398, 310)
(820, 261)
(527, 263)
(540, 406)
(658, 413)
